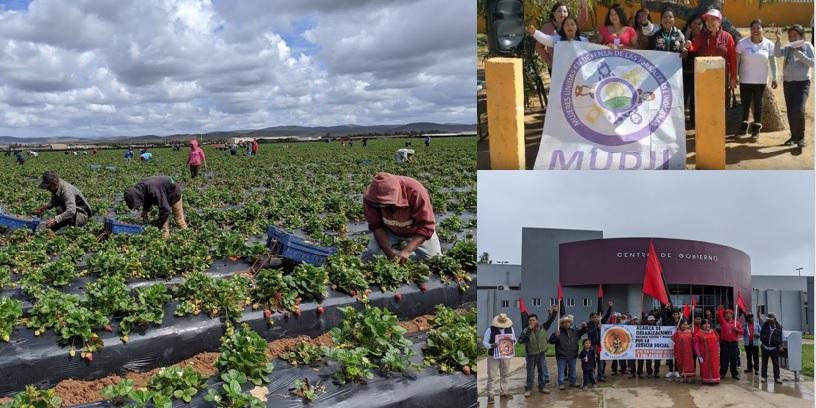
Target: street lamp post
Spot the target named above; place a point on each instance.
(799, 270)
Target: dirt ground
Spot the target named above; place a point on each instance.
(75, 392)
(767, 154)
(622, 392)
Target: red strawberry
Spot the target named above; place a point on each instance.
(423, 287)
(298, 312)
(321, 310)
(297, 300)
(108, 328)
(353, 292)
(398, 297)
(88, 356)
(267, 314)
(466, 370)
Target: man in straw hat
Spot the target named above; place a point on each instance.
(566, 349)
(771, 338)
(497, 368)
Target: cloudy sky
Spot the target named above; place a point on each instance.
(111, 67)
(767, 214)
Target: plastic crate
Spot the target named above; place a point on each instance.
(15, 223)
(113, 227)
(291, 247)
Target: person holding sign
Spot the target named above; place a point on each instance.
(594, 336)
(499, 340)
(798, 61)
(566, 349)
(615, 33)
(684, 351)
(716, 42)
(730, 333)
(558, 14)
(707, 348)
(534, 337)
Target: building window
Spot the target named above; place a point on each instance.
(517, 304)
(553, 301)
(569, 301)
(587, 302)
(505, 304)
(536, 301)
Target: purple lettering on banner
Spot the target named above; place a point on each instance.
(558, 156)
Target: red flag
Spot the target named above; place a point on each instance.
(686, 311)
(600, 299)
(522, 307)
(600, 291)
(560, 292)
(653, 283)
(741, 303)
(693, 301)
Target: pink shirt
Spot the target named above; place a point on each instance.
(627, 37)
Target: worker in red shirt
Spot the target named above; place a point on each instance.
(401, 219)
(730, 332)
(715, 42)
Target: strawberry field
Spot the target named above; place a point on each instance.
(87, 311)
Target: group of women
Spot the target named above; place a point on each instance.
(750, 63)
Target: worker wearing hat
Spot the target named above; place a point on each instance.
(771, 338)
(498, 369)
(72, 207)
(798, 57)
(566, 349)
(716, 42)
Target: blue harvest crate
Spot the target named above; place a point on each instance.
(15, 223)
(113, 227)
(294, 248)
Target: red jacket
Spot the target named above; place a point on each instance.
(721, 45)
(411, 213)
(728, 331)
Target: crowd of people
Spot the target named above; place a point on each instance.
(750, 63)
(706, 343)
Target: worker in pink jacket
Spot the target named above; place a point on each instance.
(401, 219)
(196, 158)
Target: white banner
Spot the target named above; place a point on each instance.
(627, 342)
(613, 110)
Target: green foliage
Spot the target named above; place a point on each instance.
(33, 397)
(304, 353)
(451, 343)
(449, 269)
(177, 382)
(309, 282)
(147, 307)
(346, 273)
(200, 292)
(302, 388)
(356, 366)
(385, 273)
(110, 295)
(10, 311)
(117, 393)
(272, 290)
(68, 318)
(232, 396)
(465, 253)
(244, 351)
(57, 273)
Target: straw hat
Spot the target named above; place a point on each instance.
(502, 321)
(567, 318)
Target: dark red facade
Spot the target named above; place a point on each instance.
(623, 261)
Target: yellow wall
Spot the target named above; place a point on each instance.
(739, 12)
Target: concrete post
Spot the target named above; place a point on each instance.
(505, 113)
(709, 101)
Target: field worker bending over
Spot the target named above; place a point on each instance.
(404, 156)
(72, 207)
(399, 212)
(163, 192)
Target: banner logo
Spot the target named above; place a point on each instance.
(627, 98)
(616, 341)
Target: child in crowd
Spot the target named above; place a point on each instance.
(587, 358)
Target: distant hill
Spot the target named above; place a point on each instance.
(275, 131)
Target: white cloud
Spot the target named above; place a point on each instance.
(93, 67)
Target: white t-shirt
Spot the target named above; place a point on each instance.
(754, 60)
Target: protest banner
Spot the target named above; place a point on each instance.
(613, 109)
(627, 342)
(505, 346)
